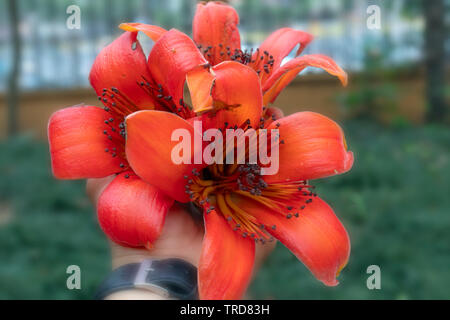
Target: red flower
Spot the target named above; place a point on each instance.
(240, 205)
(143, 101)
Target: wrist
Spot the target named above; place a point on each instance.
(150, 279)
(134, 294)
(122, 256)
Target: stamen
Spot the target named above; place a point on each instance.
(225, 184)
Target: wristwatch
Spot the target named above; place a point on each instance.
(170, 278)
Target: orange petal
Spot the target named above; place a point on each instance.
(316, 237)
(282, 76)
(149, 151)
(78, 146)
(132, 212)
(226, 261)
(172, 56)
(236, 93)
(215, 25)
(123, 65)
(278, 45)
(200, 81)
(311, 146)
(153, 32)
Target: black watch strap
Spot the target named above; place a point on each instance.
(171, 278)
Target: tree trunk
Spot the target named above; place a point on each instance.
(435, 59)
(13, 86)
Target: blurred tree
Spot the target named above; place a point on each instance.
(435, 35)
(13, 88)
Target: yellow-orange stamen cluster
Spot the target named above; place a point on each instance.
(219, 186)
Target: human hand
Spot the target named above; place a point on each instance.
(181, 237)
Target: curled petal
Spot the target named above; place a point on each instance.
(132, 212)
(123, 65)
(79, 148)
(311, 146)
(153, 32)
(234, 91)
(226, 261)
(172, 56)
(316, 236)
(215, 29)
(278, 46)
(282, 76)
(200, 81)
(149, 150)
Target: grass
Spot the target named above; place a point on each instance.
(395, 204)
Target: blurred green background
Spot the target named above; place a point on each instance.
(395, 202)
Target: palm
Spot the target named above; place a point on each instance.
(181, 237)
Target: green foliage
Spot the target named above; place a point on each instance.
(52, 226)
(394, 204)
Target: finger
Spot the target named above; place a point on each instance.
(95, 187)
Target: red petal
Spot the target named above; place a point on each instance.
(172, 56)
(78, 145)
(132, 212)
(279, 44)
(215, 25)
(235, 90)
(153, 32)
(121, 67)
(226, 261)
(316, 237)
(313, 146)
(149, 151)
(282, 76)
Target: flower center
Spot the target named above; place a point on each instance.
(223, 186)
(218, 185)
